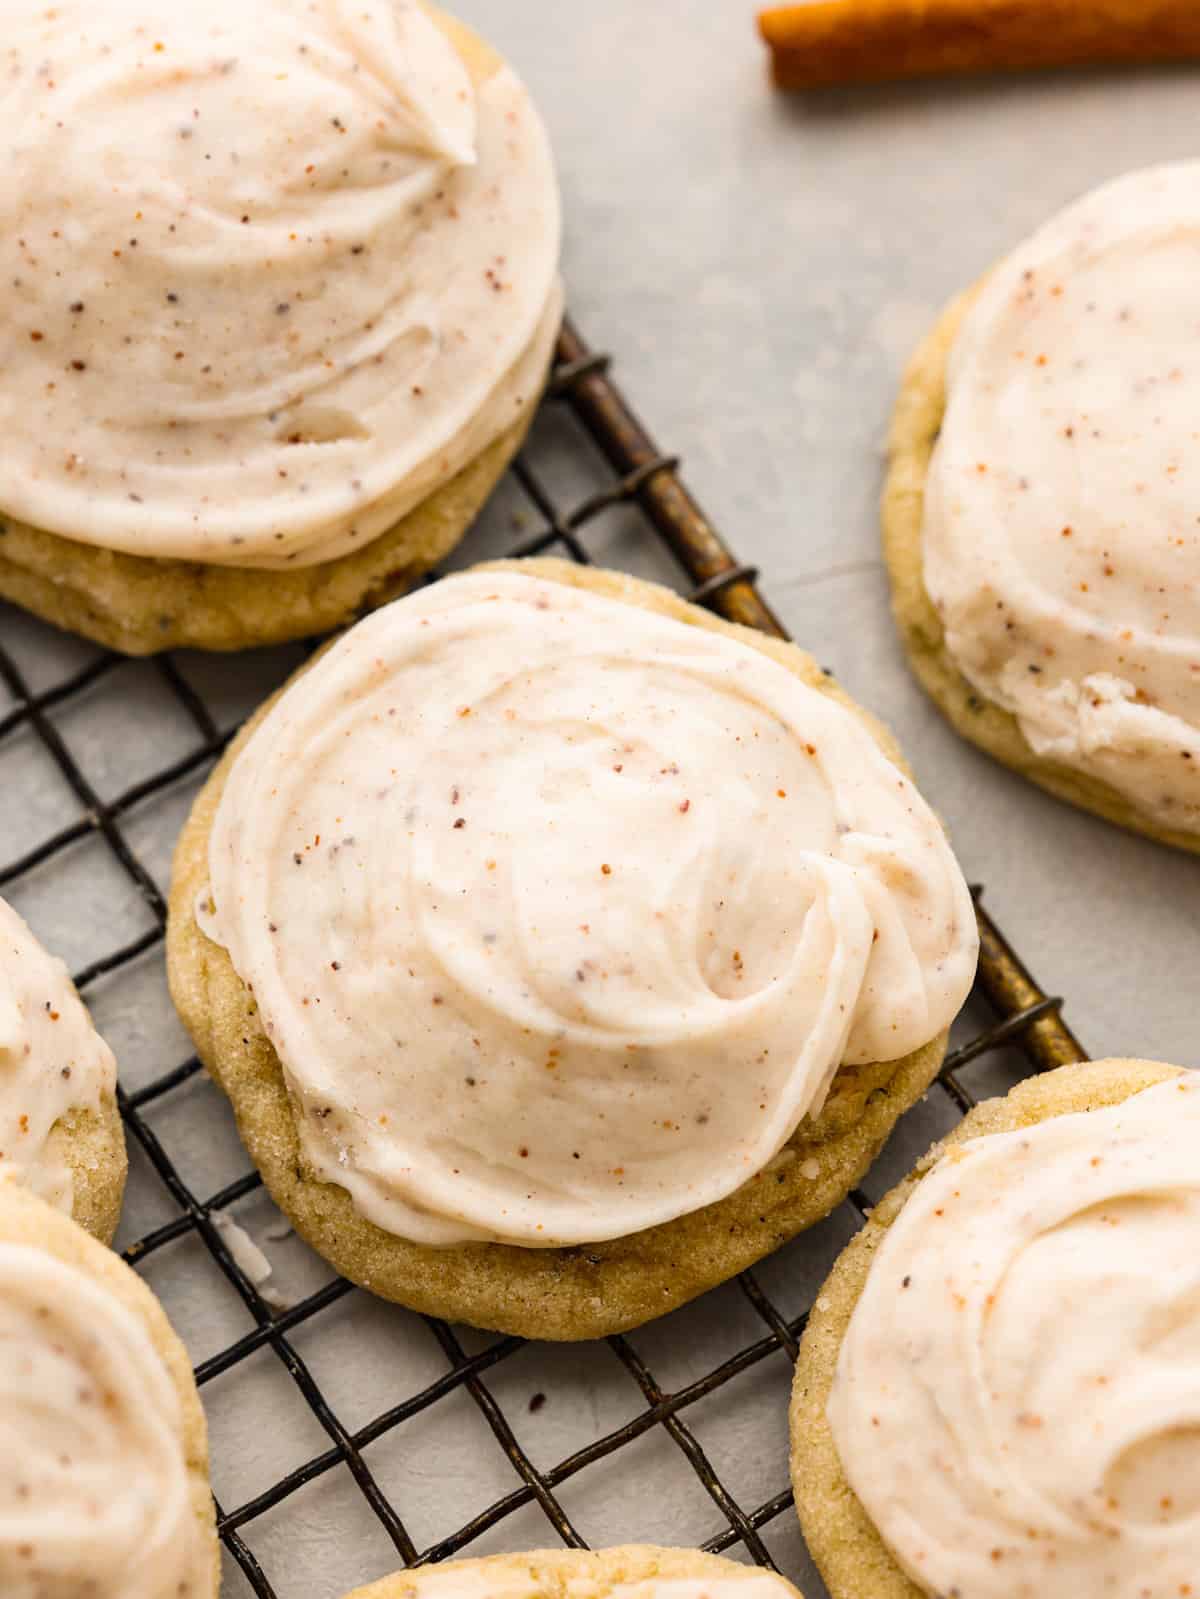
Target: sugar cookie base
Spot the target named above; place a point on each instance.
(91, 1144)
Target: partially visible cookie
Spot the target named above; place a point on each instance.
(635, 1571)
(914, 431)
(852, 1555)
(104, 1473)
(301, 334)
(584, 1286)
(60, 1130)
(1038, 514)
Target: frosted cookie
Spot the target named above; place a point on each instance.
(1042, 508)
(104, 1469)
(281, 290)
(637, 1571)
(562, 948)
(60, 1130)
(997, 1393)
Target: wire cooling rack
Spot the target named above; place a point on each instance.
(643, 485)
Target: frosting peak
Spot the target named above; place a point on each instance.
(561, 914)
(274, 271)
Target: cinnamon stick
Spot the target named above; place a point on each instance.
(869, 41)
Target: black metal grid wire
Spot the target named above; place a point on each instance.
(644, 478)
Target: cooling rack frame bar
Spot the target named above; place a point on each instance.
(646, 478)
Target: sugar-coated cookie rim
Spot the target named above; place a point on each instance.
(141, 605)
(550, 1570)
(574, 1293)
(25, 1219)
(916, 422)
(91, 1144)
(842, 1538)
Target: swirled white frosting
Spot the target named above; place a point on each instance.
(272, 271)
(94, 1492)
(1062, 508)
(561, 914)
(52, 1060)
(1017, 1400)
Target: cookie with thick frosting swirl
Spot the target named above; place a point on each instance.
(282, 291)
(1042, 507)
(103, 1464)
(997, 1393)
(560, 921)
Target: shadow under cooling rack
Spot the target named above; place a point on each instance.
(608, 479)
